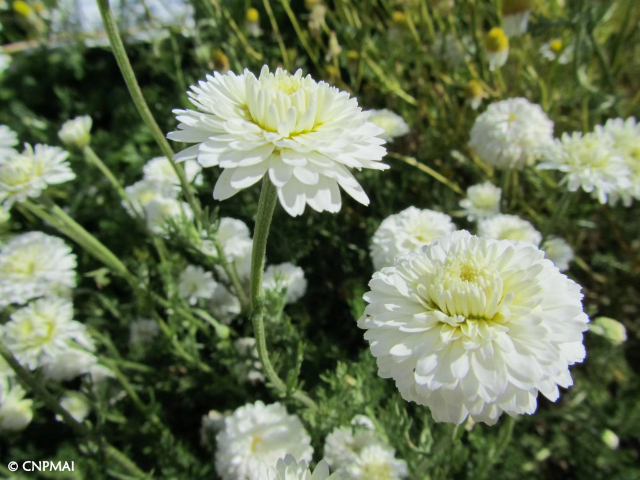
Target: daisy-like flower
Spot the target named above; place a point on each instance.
(610, 329)
(392, 123)
(76, 404)
(625, 135)
(497, 45)
(289, 469)
(160, 169)
(406, 232)
(474, 94)
(252, 22)
(249, 368)
(29, 173)
(161, 211)
(16, 412)
(376, 461)
(556, 50)
(76, 133)
(475, 327)
(509, 227)
(305, 134)
(224, 305)
(8, 140)
(483, 201)
(286, 276)
(511, 134)
(42, 330)
(257, 433)
(515, 17)
(590, 162)
(70, 364)
(35, 264)
(145, 191)
(195, 283)
(143, 331)
(236, 244)
(334, 49)
(559, 252)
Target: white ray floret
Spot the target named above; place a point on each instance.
(509, 227)
(392, 123)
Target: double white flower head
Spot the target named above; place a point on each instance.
(304, 134)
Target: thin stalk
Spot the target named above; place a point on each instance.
(266, 206)
(421, 166)
(603, 62)
(476, 37)
(122, 59)
(299, 32)
(561, 207)
(276, 31)
(240, 35)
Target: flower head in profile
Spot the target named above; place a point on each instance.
(559, 252)
(474, 93)
(35, 264)
(76, 133)
(160, 169)
(286, 276)
(257, 433)
(76, 404)
(29, 173)
(509, 227)
(145, 191)
(71, 363)
(590, 162)
(406, 232)
(252, 22)
(556, 50)
(42, 330)
(511, 134)
(610, 329)
(475, 327)
(483, 201)
(304, 134)
(224, 305)
(16, 412)
(288, 468)
(161, 212)
(497, 46)
(392, 123)
(8, 140)
(235, 241)
(195, 283)
(515, 17)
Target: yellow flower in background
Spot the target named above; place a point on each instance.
(253, 16)
(22, 8)
(497, 45)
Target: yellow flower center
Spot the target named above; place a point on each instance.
(474, 89)
(512, 7)
(399, 18)
(22, 8)
(496, 41)
(555, 46)
(376, 471)
(516, 234)
(252, 16)
(255, 441)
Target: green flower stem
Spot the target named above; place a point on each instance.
(561, 207)
(421, 166)
(119, 52)
(266, 206)
(29, 381)
(276, 32)
(301, 35)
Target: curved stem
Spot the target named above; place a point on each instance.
(119, 52)
(266, 206)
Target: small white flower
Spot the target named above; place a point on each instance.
(559, 252)
(454, 54)
(289, 469)
(590, 162)
(76, 133)
(249, 368)
(8, 140)
(474, 93)
(497, 46)
(610, 439)
(143, 331)
(610, 329)
(257, 433)
(363, 421)
(511, 134)
(5, 61)
(210, 425)
(509, 227)
(475, 327)
(29, 173)
(392, 123)
(286, 276)
(76, 404)
(252, 22)
(555, 50)
(334, 49)
(160, 169)
(160, 211)
(224, 305)
(304, 134)
(145, 191)
(44, 329)
(35, 264)
(69, 364)
(483, 201)
(406, 232)
(377, 462)
(317, 18)
(236, 244)
(195, 283)
(515, 16)
(16, 412)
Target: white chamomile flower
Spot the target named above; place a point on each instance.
(474, 93)
(344, 444)
(8, 140)
(497, 46)
(195, 283)
(376, 462)
(509, 227)
(392, 123)
(160, 168)
(236, 244)
(625, 135)
(483, 201)
(35, 264)
(76, 133)
(143, 331)
(252, 22)
(257, 433)
(29, 173)
(305, 134)
(475, 327)
(289, 469)
(160, 211)
(69, 364)
(286, 276)
(559, 252)
(145, 191)
(16, 412)
(76, 404)
(44, 329)
(610, 329)
(589, 162)
(406, 232)
(556, 50)
(515, 17)
(511, 134)
(249, 368)
(224, 305)
(452, 52)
